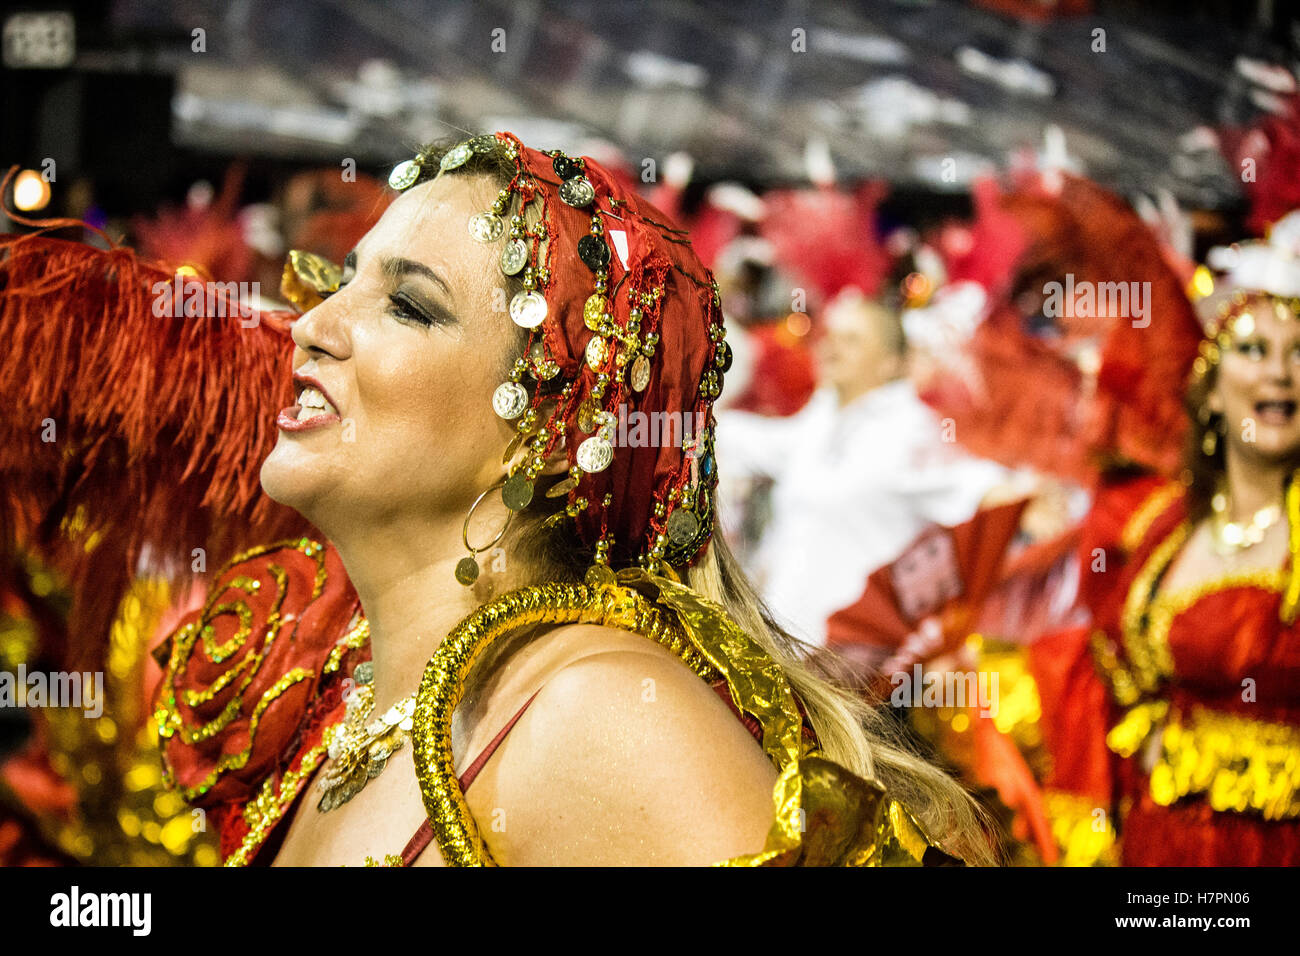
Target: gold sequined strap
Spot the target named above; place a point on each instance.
(443, 684)
(824, 815)
(1237, 764)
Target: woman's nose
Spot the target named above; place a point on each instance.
(1278, 366)
(322, 330)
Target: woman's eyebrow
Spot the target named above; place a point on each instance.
(397, 267)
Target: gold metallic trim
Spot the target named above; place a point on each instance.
(1235, 763)
(443, 684)
(264, 811)
(1152, 507)
(357, 636)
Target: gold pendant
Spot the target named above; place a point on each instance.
(360, 754)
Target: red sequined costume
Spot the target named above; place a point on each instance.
(1177, 715)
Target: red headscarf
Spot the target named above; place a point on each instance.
(682, 325)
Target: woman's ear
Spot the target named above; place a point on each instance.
(557, 463)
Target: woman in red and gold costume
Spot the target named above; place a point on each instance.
(499, 425)
(1173, 721)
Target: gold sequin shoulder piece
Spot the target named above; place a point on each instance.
(824, 814)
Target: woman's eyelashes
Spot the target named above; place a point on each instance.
(408, 309)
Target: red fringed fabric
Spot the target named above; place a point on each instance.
(127, 435)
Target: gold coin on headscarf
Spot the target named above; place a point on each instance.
(577, 192)
(594, 310)
(600, 576)
(509, 400)
(514, 256)
(486, 226)
(587, 414)
(528, 309)
(404, 174)
(456, 157)
(561, 488)
(682, 527)
(640, 373)
(595, 454)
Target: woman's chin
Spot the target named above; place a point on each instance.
(1274, 450)
(288, 482)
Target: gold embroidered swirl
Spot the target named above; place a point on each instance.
(168, 718)
(264, 811)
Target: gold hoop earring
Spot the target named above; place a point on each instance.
(467, 569)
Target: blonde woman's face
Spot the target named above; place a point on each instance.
(407, 355)
(1258, 385)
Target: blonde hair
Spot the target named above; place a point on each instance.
(852, 732)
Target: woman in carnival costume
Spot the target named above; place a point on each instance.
(515, 589)
(1173, 719)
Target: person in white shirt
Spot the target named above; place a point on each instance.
(857, 473)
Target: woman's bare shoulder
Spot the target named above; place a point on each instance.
(624, 756)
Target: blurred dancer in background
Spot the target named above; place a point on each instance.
(1177, 711)
(858, 472)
